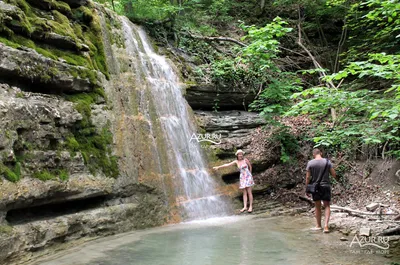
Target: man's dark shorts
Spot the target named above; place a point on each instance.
(323, 195)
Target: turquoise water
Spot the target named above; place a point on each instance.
(233, 240)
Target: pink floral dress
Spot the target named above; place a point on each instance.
(246, 179)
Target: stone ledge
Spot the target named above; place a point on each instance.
(41, 72)
(228, 120)
(208, 97)
(79, 186)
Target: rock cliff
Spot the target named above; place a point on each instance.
(77, 157)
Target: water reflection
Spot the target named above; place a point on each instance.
(243, 241)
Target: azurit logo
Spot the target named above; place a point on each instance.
(380, 242)
(213, 138)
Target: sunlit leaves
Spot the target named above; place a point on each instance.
(363, 116)
(255, 67)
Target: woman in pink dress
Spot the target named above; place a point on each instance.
(246, 178)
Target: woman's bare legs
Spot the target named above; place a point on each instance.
(250, 198)
(244, 200)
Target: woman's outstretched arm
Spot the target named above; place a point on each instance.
(226, 165)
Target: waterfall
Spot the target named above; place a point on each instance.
(195, 189)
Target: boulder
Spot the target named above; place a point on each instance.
(372, 207)
(365, 231)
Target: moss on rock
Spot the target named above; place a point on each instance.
(76, 30)
(44, 175)
(6, 229)
(12, 175)
(94, 145)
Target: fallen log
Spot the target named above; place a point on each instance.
(358, 212)
(391, 231)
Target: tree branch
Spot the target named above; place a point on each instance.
(216, 39)
(333, 207)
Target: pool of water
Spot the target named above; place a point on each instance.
(231, 240)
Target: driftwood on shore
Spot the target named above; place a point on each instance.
(358, 212)
(346, 209)
(391, 231)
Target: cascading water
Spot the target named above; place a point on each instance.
(195, 189)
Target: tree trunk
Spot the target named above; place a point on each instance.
(262, 5)
(113, 6)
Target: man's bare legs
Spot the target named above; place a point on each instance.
(244, 200)
(250, 199)
(327, 215)
(318, 213)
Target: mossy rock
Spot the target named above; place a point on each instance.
(94, 145)
(58, 32)
(52, 75)
(52, 5)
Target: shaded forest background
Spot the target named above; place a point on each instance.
(334, 63)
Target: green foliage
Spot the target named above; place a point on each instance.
(363, 116)
(44, 175)
(12, 175)
(151, 10)
(258, 57)
(83, 105)
(254, 67)
(72, 145)
(83, 14)
(375, 28)
(96, 151)
(63, 174)
(288, 143)
(341, 170)
(6, 229)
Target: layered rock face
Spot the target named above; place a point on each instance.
(209, 97)
(221, 113)
(78, 157)
(235, 127)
